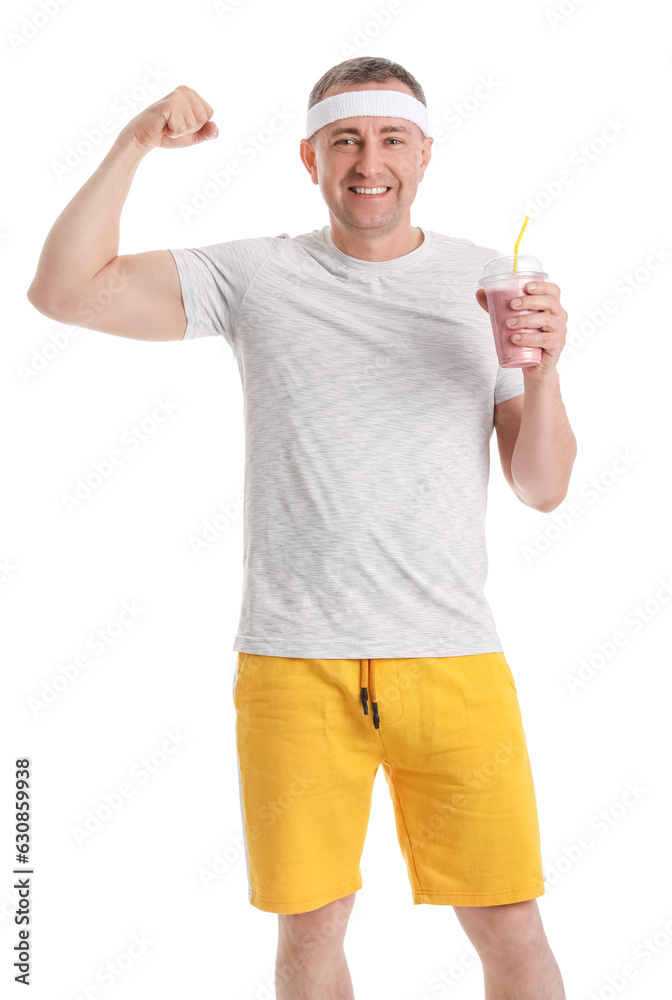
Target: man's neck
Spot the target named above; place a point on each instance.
(376, 248)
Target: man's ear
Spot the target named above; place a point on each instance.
(309, 158)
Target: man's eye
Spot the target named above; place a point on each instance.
(339, 141)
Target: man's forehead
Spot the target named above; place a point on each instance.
(361, 125)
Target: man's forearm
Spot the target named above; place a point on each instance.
(545, 449)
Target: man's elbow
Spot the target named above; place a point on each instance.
(41, 303)
(546, 508)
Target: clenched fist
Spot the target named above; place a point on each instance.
(181, 118)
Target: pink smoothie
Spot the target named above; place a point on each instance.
(510, 355)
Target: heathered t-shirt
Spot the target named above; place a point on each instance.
(369, 391)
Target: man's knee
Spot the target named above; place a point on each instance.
(318, 928)
(512, 930)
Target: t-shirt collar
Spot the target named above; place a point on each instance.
(373, 266)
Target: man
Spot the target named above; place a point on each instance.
(371, 389)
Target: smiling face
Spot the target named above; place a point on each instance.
(352, 155)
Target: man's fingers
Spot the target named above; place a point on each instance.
(174, 121)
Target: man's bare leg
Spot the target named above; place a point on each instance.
(518, 963)
(310, 963)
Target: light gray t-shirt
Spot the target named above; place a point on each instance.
(369, 391)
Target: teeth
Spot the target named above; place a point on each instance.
(370, 190)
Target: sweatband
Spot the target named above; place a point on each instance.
(383, 103)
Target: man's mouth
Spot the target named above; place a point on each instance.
(375, 192)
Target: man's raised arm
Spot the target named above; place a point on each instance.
(80, 277)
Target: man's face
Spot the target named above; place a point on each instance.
(368, 152)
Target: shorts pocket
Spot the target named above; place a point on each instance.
(500, 659)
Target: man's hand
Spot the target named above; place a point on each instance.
(181, 118)
(550, 323)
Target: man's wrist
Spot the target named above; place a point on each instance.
(127, 146)
(549, 383)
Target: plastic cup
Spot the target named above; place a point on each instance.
(501, 284)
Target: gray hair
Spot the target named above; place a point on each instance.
(364, 69)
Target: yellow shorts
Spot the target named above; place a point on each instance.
(449, 735)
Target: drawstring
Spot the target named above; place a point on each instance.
(364, 668)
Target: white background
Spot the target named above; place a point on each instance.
(555, 84)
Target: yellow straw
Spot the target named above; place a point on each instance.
(520, 236)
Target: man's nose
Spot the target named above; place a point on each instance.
(370, 160)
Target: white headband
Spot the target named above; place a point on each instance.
(385, 103)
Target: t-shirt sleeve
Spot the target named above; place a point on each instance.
(215, 280)
(509, 382)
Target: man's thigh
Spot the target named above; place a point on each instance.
(461, 783)
(307, 758)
